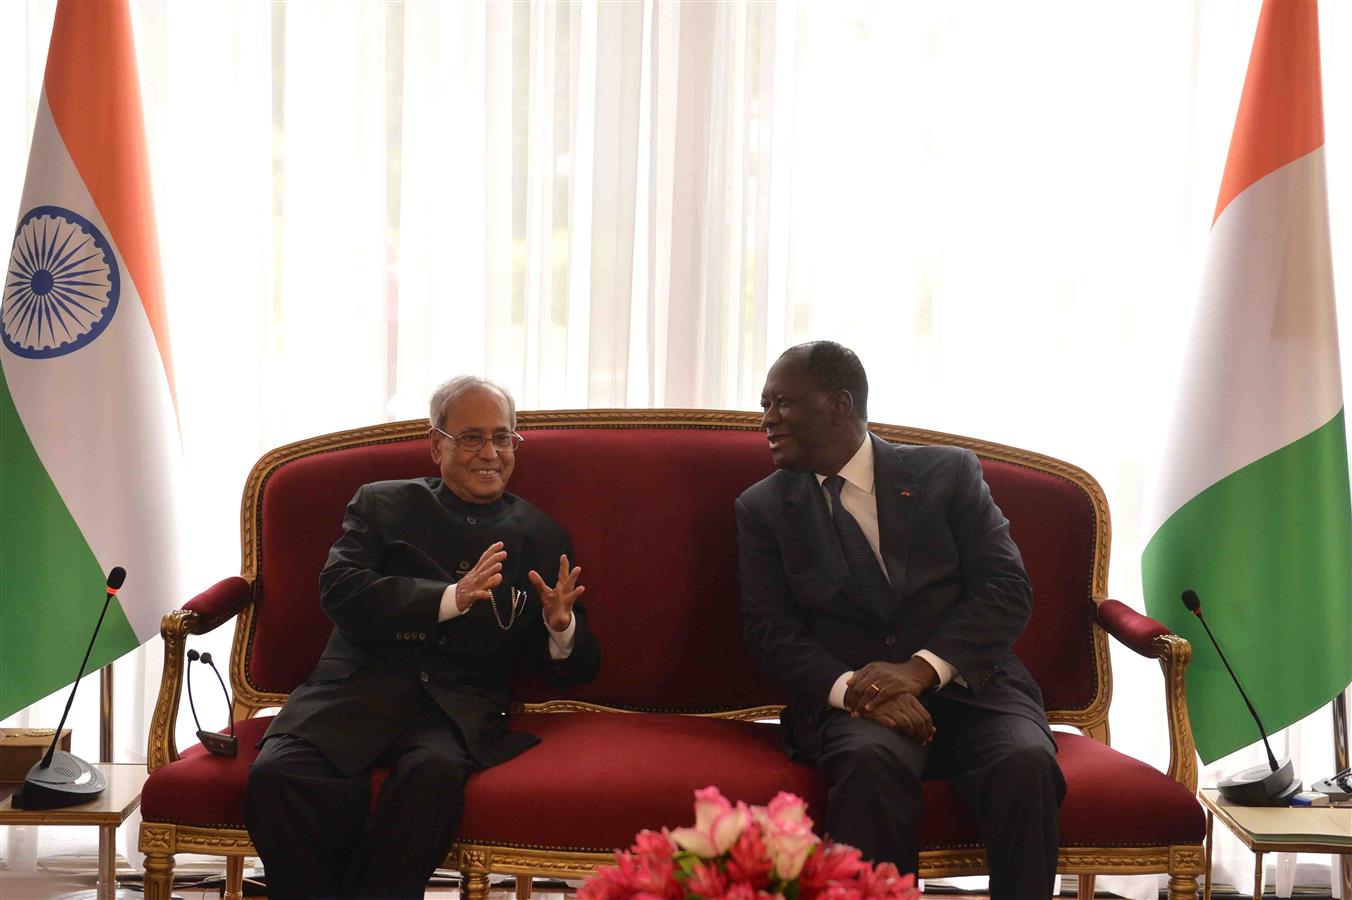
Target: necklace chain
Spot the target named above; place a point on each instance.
(518, 603)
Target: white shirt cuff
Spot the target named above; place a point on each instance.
(561, 642)
(448, 609)
(836, 697)
(946, 672)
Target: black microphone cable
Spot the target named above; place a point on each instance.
(215, 742)
(193, 656)
(230, 728)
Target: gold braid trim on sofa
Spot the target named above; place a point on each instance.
(1174, 653)
(575, 863)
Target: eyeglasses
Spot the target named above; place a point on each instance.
(503, 441)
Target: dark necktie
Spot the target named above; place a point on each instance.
(866, 576)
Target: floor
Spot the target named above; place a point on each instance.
(43, 885)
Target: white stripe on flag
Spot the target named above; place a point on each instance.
(1264, 368)
(102, 420)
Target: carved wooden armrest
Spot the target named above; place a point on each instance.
(201, 614)
(1153, 640)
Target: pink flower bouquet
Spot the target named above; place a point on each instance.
(740, 852)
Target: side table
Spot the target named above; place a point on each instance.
(110, 810)
(1319, 829)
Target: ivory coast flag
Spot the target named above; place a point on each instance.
(1252, 507)
(89, 445)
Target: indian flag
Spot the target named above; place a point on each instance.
(89, 444)
(1252, 507)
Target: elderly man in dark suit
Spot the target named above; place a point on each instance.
(880, 585)
(436, 595)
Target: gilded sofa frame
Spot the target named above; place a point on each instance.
(161, 841)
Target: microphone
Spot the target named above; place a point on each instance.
(1271, 785)
(206, 658)
(62, 779)
(214, 741)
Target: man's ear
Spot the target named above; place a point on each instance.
(842, 407)
(434, 447)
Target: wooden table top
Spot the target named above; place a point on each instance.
(119, 798)
(1291, 829)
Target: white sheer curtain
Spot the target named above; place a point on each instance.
(1002, 207)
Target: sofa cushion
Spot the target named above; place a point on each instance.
(202, 789)
(618, 773)
(1113, 800)
(605, 777)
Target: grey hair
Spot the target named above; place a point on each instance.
(450, 391)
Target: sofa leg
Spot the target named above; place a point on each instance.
(1086, 888)
(234, 878)
(523, 883)
(476, 884)
(159, 879)
(1182, 886)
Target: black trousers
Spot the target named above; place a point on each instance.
(315, 832)
(1004, 767)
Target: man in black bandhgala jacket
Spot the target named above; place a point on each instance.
(438, 590)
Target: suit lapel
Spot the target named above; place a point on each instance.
(898, 500)
(805, 509)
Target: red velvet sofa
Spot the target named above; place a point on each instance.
(647, 496)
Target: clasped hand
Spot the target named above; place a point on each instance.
(477, 584)
(889, 693)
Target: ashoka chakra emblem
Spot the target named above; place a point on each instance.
(62, 285)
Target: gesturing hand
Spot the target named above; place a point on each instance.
(478, 583)
(880, 682)
(558, 600)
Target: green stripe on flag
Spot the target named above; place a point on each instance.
(1269, 551)
(50, 583)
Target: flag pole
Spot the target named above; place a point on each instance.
(107, 872)
(1340, 762)
(106, 714)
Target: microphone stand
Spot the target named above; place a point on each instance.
(107, 836)
(1340, 763)
(43, 789)
(1273, 784)
(106, 713)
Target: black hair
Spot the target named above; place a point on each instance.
(836, 368)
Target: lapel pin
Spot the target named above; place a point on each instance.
(905, 493)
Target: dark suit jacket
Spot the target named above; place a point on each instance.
(402, 543)
(957, 578)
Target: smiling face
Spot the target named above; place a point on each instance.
(810, 429)
(479, 476)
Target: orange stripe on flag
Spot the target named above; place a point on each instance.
(1281, 113)
(95, 98)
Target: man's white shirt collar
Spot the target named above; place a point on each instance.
(859, 470)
